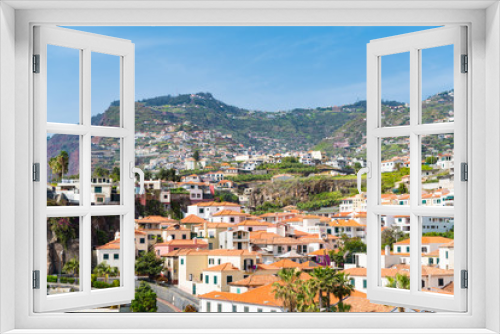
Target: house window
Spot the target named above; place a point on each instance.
(246, 309)
(208, 306)
(229, 279)
(207, 279)
(218, 261)
(440, 281)
(259, 310)
(142, 240)
(238, 290)
(365, 284)
(184, 236)
(105, 256)
(231, 219)
(235, 309)
(182, 262)
(215, 279)
(98, 190)
(399, 249)
(219, 307)
(116, 256)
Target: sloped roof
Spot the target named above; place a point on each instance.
(222, 267)
(114, 244)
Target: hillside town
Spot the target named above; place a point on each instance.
(214, 246)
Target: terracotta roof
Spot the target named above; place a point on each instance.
(256, 280)
(222, 267)
(450, 244)
(192, 219)
(114, 244)
(156, 220)
(230, 213)
(250, 222)
(346, 222)
(320, 252)
(179, 242)
(286, 263)
(432, 254)
(214, 225)
(140, 232)
(362, 304)
(401, 269)
(427, 240)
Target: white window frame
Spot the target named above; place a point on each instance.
(86, 44)
(483, 19)
(413, 43)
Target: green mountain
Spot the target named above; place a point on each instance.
(351, 136)
(333, 130)
(297, 129)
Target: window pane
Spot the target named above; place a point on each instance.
(437, 84)
(63, 255)
(105, 88)
(437, 255)
(105, 182)
(106, 252)
(395, 90)
(63, 170)
(437, 170)
(63, 85)
(395, 169)
(395, 260)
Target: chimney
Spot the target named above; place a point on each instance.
(387, 250)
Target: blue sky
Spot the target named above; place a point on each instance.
(264, 68)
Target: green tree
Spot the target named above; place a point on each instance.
(103, 269)
(100, 172)
(144, 299)
(430, 160)
(288, 287)
(342, 288)
(390, 236)
(323, 281)
(196, 157)
(72, 266)
(402, 189)
(149, 264)
(400, 281)
(59, 164)
(115, 174)
(305, 297)
(64, 230)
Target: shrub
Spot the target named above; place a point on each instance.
(51, 279)
(101, 285)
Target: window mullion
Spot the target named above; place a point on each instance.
(414, 168)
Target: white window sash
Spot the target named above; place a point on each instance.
(86, 43)
(413, 43)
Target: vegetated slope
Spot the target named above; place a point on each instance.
(349, 139)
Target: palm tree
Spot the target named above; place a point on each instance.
(305, 297)
(323, 282)
(287, 288)
(103, 269)
(342, 288)
(72, 266)
(63, 160)
(400, 281)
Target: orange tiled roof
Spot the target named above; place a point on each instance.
(193, 219)
(427, 240)
(181, 242)
(222, 267)
(256, 280)
(155, 220)
(249, 222)
(230, 213)
(114, 244)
